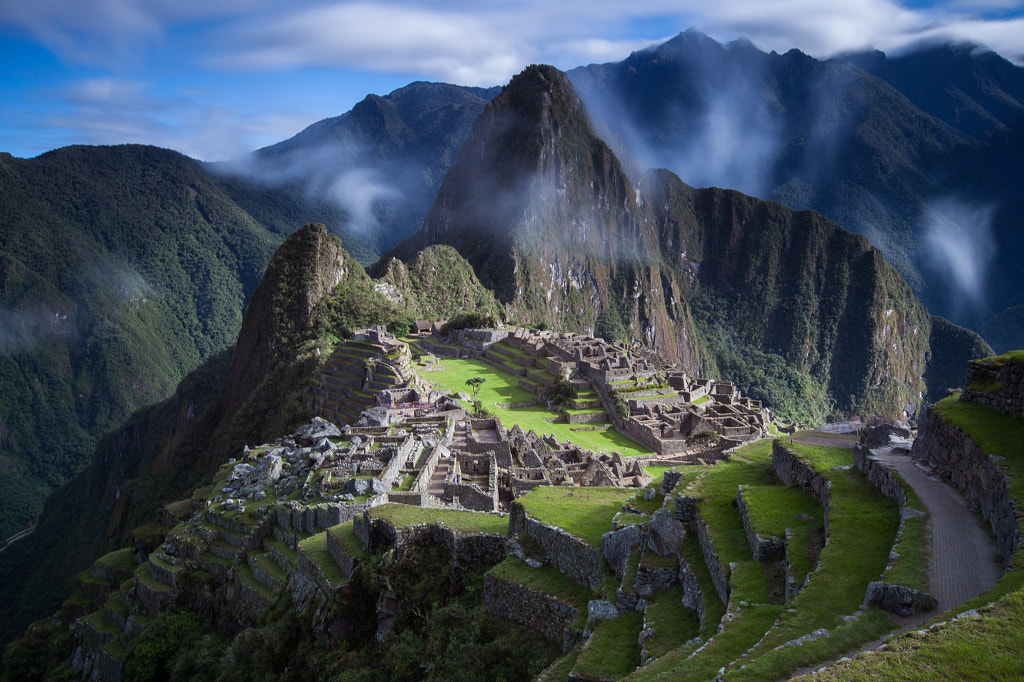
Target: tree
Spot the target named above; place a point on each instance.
(474, 387)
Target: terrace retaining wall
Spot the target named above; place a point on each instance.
(550, 616)
(763, 549)
(1006, 384)
(791, 470)
(979, 477)
(569, 554)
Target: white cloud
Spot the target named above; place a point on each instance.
(112, 111)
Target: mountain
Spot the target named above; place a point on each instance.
(900, 152)
(158, 255)
(123, 268)
(312, 293)
(967, 86)
(806, 316)
(370, 173)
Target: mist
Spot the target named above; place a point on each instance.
(714, 122)
(958, 245)
(334, 173)
(25, 327)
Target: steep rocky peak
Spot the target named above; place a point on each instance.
(305, 268)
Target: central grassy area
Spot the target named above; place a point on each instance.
(585, 512)
(500, 387)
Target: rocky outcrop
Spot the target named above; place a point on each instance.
(898, 599)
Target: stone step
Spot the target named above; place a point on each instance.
(225, 550)
(266, 571)
(116, 610)
(247, 582)
(216, 565)
(282, 554)
(160, 569)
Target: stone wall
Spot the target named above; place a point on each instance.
(719, 574)
(998, 386)
(693, 597)
(791, 470)
(552, 617)
(979, 477)
(763, 549)
(885, 479)
(566, 552)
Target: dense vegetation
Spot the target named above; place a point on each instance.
(123, 268)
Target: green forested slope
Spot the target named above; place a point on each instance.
(122, 268)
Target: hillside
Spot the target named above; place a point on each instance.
(312, 294)
(123, 268)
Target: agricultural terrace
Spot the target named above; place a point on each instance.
(501, 388)
(587, 513)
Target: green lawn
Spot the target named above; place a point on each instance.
(502, 387)
(612, 651)
(587, 513)
(401, 515)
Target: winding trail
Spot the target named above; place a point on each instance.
(964, 561)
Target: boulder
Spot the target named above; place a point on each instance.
(902, 601)
(879, 436)
(315, 431)
(616, 546)
(598, 609)
(666, 535)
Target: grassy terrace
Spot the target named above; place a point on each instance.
(773, 510)
(862, 527)
(315, 549)
(673, 625)
(344, 535)
(547, 580)
(612, 650)
(502, 387)
(401, 515)
(587, 513)
(970, 647)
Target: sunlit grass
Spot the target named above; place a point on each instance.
(502, 388)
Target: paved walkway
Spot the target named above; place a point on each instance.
(965, 561)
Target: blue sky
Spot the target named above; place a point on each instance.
(216, 78)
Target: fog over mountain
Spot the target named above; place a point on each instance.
(893, 148)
